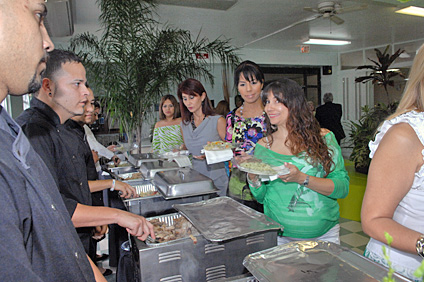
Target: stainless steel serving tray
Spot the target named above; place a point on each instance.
(314, 261)
(223, 218)
(185, 182)
(149, 169)
(142, 186)
(138, 159)
(122, 170)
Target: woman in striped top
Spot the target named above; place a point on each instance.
(167, 133)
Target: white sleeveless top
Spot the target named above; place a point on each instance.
(410, 211)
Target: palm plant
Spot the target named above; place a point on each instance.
(136, 60)
(381, 73)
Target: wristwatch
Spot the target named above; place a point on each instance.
(420, 246)
(306, 182)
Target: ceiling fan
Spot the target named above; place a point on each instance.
(326, 9)
(330, 9)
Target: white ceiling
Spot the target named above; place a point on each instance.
(248, 20)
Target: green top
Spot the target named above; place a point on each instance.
(167, 138)
(303, 212)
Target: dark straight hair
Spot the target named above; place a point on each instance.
(174, 103)
(192, 86)
(55, 60)
(250, 71)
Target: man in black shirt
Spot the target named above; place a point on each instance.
(38, 241)
(63, 95)
(329, 116)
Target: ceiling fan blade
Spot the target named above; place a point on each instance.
(311, 18)
(353, 8)
(336, 20)
(310, 9)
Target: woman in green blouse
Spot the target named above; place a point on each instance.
(304, 201)
(167, 134)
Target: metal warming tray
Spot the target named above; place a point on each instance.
(314, 261)
(156, 204)
(122, 170)
(149, 169)
(200, 259)
(184, 182)
(223, 218)
(138, 159)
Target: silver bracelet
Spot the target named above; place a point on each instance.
(255, 184)
(420, 246)
(113, 185)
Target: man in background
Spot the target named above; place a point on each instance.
(38, 241)
(329, 116)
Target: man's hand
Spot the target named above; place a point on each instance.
(126, 190)
(116, 160)
(136, 225)
(100, 231)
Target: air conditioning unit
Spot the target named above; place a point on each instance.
(59, 21)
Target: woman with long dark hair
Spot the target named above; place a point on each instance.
(167, 133)
(304, 201)
(200, 125)
(246, 126)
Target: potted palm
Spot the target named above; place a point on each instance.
(363, 131)
(137, 60)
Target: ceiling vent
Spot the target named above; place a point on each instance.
(59, 21)
(205, 4)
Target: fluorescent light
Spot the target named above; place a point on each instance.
(326, 41)
(412, 10)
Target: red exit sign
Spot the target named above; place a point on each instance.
(202, 56)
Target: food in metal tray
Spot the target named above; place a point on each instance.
(147, 194)
(217, 145)
(129, 176)
(180, 228)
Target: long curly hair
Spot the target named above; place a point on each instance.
(304, 131)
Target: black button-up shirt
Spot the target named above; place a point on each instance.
(60, 150)
(38, 241)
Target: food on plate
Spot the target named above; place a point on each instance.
(180, 228)
(217, 145)
(257, 166)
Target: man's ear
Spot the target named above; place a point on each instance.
(47, 85)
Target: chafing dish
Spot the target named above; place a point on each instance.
(200, 259)
(149, 169)
(184, 182)
(314, 261)
(155, 204)
(138, 159)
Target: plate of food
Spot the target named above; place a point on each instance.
(259, 167)
(218, 146)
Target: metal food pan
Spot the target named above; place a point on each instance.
(183, 183)
(184, 260)
(125, 169)
(149, 169)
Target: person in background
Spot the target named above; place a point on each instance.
(245, 126)
(102, 151)
(200, 125)
(223, 108)
(167, 134)
(329, 116)
(63, 94)
(38, 240)
(394, 196)
(311, 107)
(238, 101)
(304, 200)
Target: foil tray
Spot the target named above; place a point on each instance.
(314, 261)
(223, 218)
(185, 182)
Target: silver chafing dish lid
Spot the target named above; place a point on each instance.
(149, 169)
(314, 261)
(185, 182)
(137, 159)
(223, 218)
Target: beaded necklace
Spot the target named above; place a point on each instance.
(193, 124)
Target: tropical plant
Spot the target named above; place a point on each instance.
(381, 73)
(137, 59)
(363, 131)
